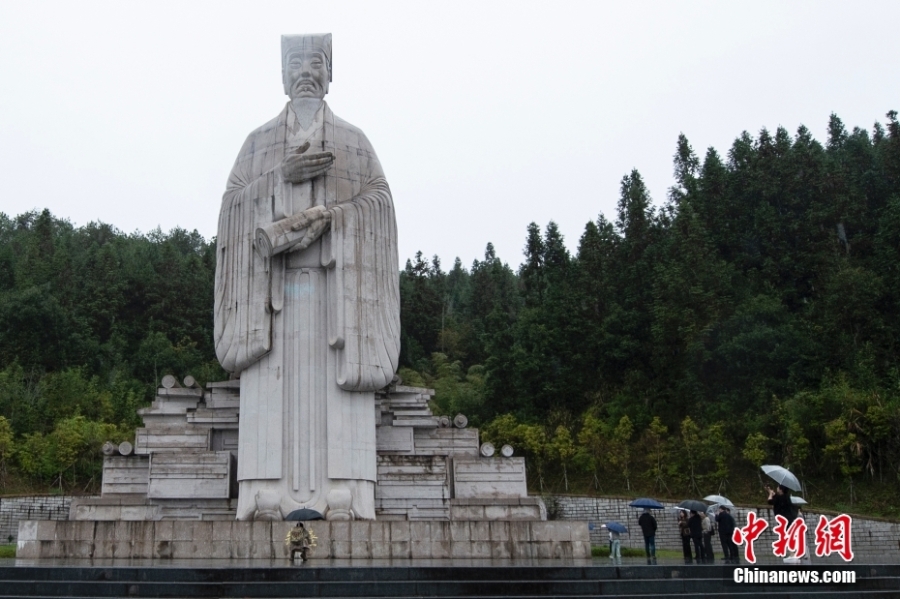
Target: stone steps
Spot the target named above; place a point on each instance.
(445, 582)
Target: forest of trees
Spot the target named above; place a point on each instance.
(753, 317)
(90, 320)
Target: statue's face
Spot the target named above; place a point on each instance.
(306, 74)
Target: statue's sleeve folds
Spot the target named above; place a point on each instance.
(365, 329)
(242, 325)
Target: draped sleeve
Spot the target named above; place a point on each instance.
(364, 286)
(242, 311)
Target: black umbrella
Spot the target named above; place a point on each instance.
(304, 514)
(646, 502)
(693, 505)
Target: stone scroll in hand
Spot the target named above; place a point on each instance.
(286, 233)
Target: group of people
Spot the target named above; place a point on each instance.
(696, 536)
(697, 530)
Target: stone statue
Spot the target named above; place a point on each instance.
(307, 300)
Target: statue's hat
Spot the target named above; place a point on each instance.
(306, 41)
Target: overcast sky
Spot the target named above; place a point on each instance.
(485, 115)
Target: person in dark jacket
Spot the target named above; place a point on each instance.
(726, 525)
(780, 500)
(648, 526)
(696, 527)
(685, 531)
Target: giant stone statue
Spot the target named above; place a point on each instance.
(307, 300)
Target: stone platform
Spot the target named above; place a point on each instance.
(337, 540)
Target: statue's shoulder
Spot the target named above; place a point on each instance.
(350, 134)
(264, 135)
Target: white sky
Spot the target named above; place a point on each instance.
(485, 115)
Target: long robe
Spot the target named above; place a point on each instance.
(310, 331)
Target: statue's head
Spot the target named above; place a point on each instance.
(306, 65)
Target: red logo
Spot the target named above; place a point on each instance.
(791, 537)
(748, 534)
(833, 536)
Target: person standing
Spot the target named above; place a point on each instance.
(780, 500)
(685, 530)
(615, 547)
(726, 525)
(648, 527)
(782, 505)
(695, 526)
(708, 556)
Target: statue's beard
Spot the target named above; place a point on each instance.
(305, 109)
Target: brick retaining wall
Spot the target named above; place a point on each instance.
(31, 507)
(868, 536)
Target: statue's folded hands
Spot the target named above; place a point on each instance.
(298, 167)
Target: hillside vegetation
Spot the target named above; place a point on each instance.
(752, 317)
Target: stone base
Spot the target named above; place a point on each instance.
(339, 540)
(139, 507)
(511, 508)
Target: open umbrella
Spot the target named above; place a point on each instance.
(797, 500)
(304, 514)
(782, 476)
(616, 527)
(693, 505)
(719, 499)
(646, 502)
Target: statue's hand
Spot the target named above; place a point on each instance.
(315, 230)
(298, 167)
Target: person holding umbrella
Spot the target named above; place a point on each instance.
(615, 551)
(648, 526)
(299, 540)
(726, 525)
(780, 497)
(695, 525)
(685, 530)
(780, 500)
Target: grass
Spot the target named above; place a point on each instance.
(7, 551)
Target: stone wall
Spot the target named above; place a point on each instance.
(868, 536)
(31, 507)
(361, 539)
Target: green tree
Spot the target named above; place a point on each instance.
(620, 449)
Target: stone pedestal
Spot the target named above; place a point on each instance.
(183, 465)
(337, 540)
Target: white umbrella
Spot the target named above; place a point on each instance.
(719, 499)
(782, 476)
(797, 500)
